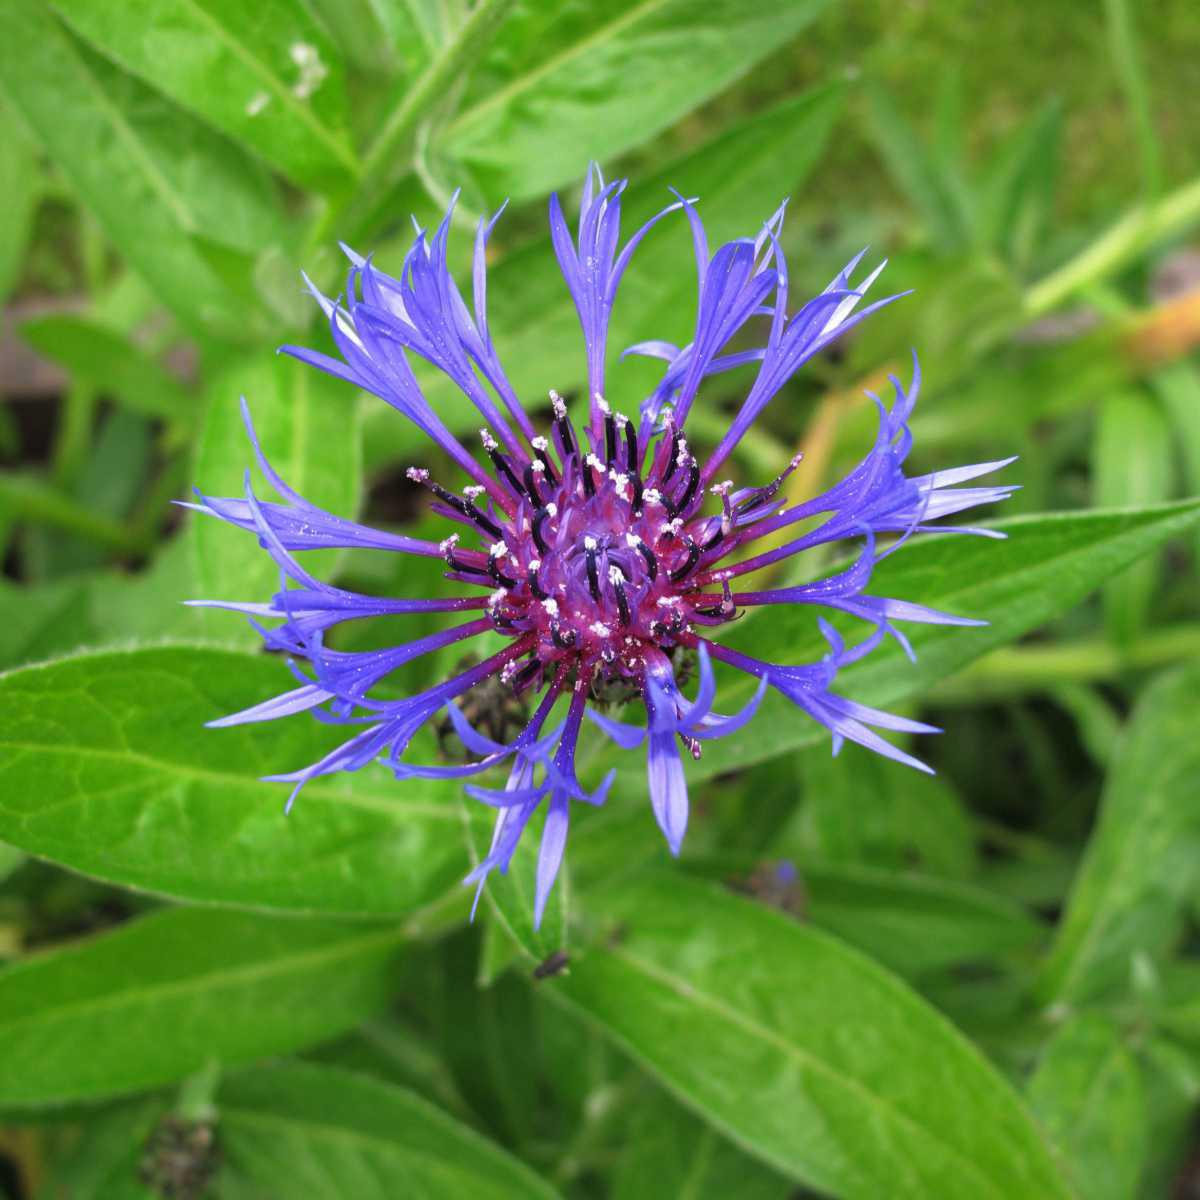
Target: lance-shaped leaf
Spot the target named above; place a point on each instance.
(803, 1052)
(265, 74)
(157, 999)
(304, 1130)
(1048, 563)
(1142, 861)
(562, 85)
(106, 768)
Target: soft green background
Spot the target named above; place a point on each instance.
(985, 982)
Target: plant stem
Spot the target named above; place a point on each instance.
(1015, 670)
(1121, 244)
(393, 144)
(28, 498)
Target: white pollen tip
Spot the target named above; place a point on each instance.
(540, 443)
(632, 541)
(652, 496)
(602, 404)
(589, 543)
(593, 461)
(498, 549)
(721, 489)
(497, 597)
(537, 466)
(417, 474)
(615, 574)
(600, 629)
(535, 564)
(797, 460)
(558, 404)
(473, 491)
(489, 442)
(621, 421)
(552, 510)
(551, 607)
(449, 544)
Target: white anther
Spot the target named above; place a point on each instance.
(681, 459)
(593, 461)
(473, 491)
(797, 460)
(498, 549)
(600, 629)
(558, 404)
(540, 443)
(497, 597)
(621, 421)
(449, 544)
(632, 541)
(652, 496)
(620, 484)
(589, 543)
(489, 442)
(537, 466)
(615, 574)
(417, 474)
(535, 564)
(602, 404)
(722, 488)
(552, 511)
(667, 601)
(551, 607)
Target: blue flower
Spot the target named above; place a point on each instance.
(601, 552)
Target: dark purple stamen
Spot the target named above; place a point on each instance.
(651, 561)
(693, 557)
(593, 576)
(539, 519)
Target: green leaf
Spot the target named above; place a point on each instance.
(150, 174)
(21, 186)
(1018, 193)
(1141, 862)
(1048, 563)
(103, 1162)
(806, 1054)
(740, 176)
(1087, 1093)
(265, 75)
(863, 809)
(561, 86)
(108, 770)
(308, 427)
(103, 357)
(915, 924)
(154, 1000)
(1132, 459)
(301, 1130)
(1171, 1091)
(671, 1153)
(927, 184)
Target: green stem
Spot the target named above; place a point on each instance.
(74, 434)
(1015, 670)
(1121, 244)
(392, 147)
(28, 498)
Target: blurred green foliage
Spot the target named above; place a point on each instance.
(983, 984)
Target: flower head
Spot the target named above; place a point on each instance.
(600, 545)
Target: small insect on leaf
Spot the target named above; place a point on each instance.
(555, 964)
